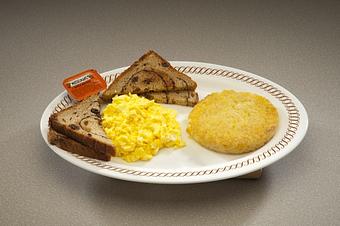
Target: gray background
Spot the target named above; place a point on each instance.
(293, 43)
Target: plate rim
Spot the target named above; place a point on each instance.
(180, 177)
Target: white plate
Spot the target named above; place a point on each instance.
(193, 163)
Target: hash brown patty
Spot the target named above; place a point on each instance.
(233, 122)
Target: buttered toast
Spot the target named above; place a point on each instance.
(154, 78)
(186, 98)
(78, 129)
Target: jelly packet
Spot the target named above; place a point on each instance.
(84, 84)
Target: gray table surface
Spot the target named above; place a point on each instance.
(293, 43)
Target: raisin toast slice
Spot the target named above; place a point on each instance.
(151, 73)
(73, 146)
(82, 123)
(185, 98)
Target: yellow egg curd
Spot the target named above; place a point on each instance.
(139, 128)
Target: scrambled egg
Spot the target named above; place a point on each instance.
(139, 128)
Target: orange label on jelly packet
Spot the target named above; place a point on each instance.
(84, 84)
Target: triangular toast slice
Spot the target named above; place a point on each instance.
(73, 146)
(186, 98)
(81, 123)
(151, 73)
